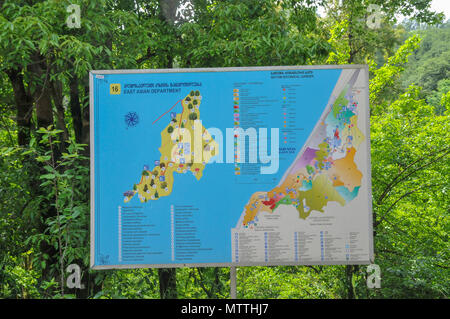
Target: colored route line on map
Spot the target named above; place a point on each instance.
(166, 112)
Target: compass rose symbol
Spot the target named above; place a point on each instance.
(131, 119)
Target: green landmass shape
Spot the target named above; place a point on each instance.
(321, 192)
(340, 102)
(321, 154)
(286, 200)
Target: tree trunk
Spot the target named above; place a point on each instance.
(167, 283)
(42, 93)
(349, 281)
(44, 114)
(75, 108)
(24, 106)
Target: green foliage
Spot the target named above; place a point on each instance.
(341, 48)
(385, 77)
(19, 278)
(281, 282)
(248, 33)
(206, 282)
(65, 182)
(123, 284)
(429, 66)
(411, 196)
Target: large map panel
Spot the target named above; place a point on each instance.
(243, 166)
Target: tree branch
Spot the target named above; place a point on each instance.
(147, 56)
(208, 293)
(400, 198)
(396, 180)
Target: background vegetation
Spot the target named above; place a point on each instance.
(44, 135)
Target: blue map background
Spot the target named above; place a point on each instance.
(121, 151)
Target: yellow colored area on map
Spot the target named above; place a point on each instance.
(186, 146)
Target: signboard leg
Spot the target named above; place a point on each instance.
(233, 282)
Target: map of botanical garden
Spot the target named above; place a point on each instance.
(241, 166)
(325, 171)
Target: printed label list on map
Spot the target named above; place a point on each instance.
(187, 242)
(253, 107)
(135, 233)
(296, 246)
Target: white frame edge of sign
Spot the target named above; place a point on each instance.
(92, 167)
(232, 69)
(92, 73)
